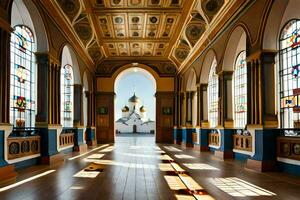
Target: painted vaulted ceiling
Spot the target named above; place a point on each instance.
(132, 30)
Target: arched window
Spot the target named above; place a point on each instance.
(213, 96)
(289, 75)
(22, 78)
(240, 91)
(67, 94)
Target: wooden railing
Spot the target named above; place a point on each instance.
(242, 142)
(194, 137)
(288, 147)
(214, 139)
(66, 139)
(19, 147)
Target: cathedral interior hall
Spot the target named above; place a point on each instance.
(149, 99)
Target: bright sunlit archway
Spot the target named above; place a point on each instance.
(135, 88)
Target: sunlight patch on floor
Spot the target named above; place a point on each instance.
(184, 156)
(203, 197)
(184, 197)
(239, 188)
(105, 145)
(177, 168)
(95, 156)
(125, 164)
(166, 167)
(193, 197)
(108, 149)
(175, 183)
(166, 158)
(174, 149)
(76, 188)
(86, 174)
(25, 180)
(200, 166)
(190, 183)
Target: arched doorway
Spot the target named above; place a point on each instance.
(106, 96)
(134, 103)
(134, 128)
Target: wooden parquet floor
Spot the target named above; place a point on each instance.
(137, 168)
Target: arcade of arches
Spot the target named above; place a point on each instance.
(227, 109)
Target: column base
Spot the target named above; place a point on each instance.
(200, 148)
(261, 166)
(81, 148)
(177, 142)
(92, 143)
(52, 160)
(186, 145)
(7, 174)
(224, 154)
(197, 147)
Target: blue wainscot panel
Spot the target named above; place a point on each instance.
(2, 160)
(27, 163)
(240, 156)
(289, 168)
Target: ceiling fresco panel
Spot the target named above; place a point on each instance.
(136, 29)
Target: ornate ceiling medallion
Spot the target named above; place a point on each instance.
(70, 7)
(211, 7)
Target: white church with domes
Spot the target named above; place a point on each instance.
(134, 118)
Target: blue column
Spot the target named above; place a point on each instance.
(48, 142)
(2, 148)
(91, 136)
(174, 135)
(177, 134)
(203, 139)
(49, 153)
(187, 136)
(265, 156)
(226, 146)
(78, 137)
(79, 144)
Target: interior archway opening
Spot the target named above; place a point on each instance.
(135, 106)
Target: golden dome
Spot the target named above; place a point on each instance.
(142, 109)
(134, 99)
(125, 109)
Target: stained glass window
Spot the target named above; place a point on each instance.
(289, 75)
(67, 96)
(22, 78)
(213, 96)
(240, 91)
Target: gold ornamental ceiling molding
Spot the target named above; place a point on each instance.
(177, 30)
(214, 28)
(63, 24)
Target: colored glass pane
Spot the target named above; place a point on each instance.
(213, 93)
(22, 78)
(67, 95)
(240, 91)
(289, 61)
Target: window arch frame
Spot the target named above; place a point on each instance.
(213, 95)
(240, 117)
(22, 59)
